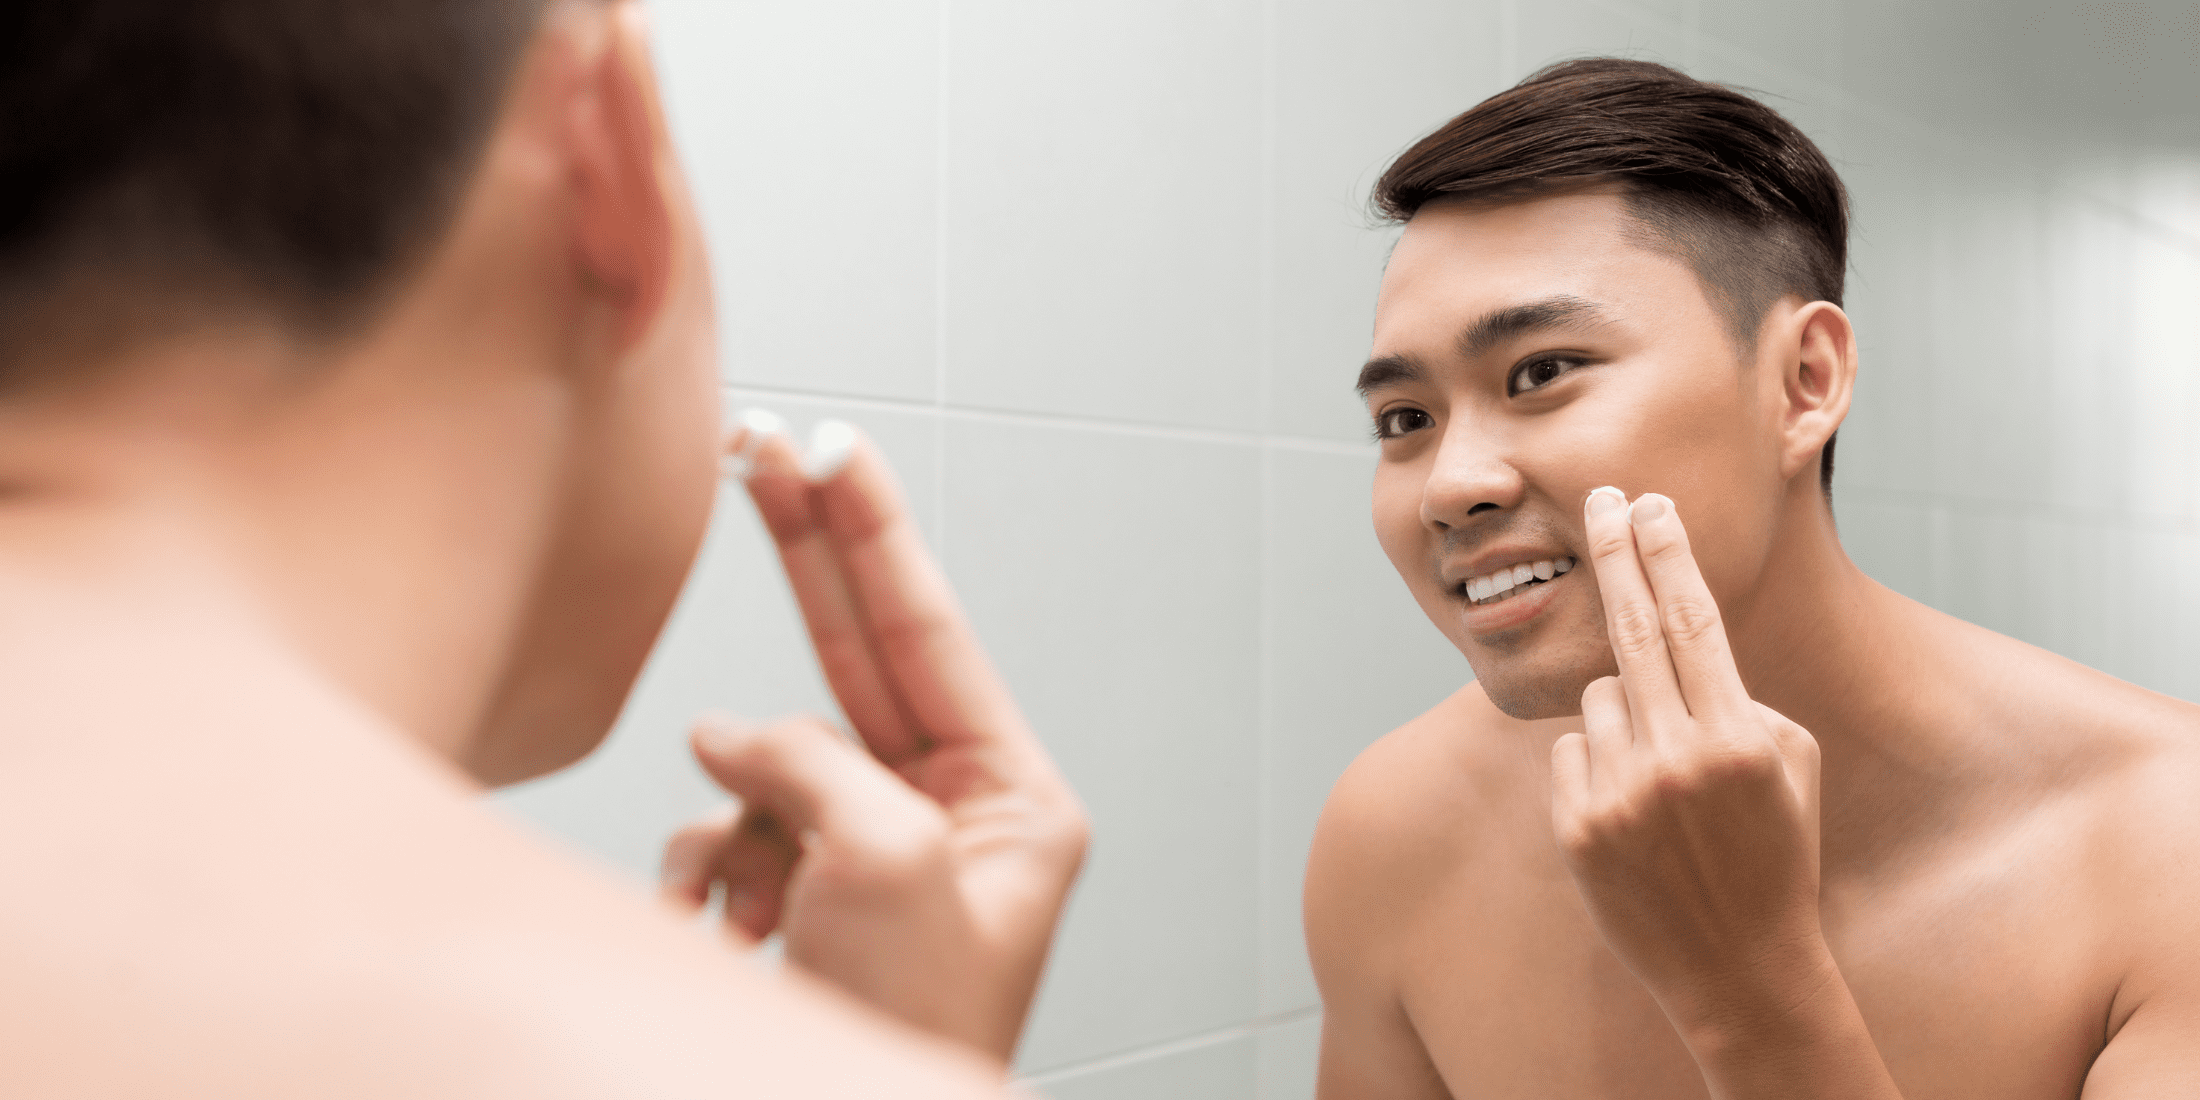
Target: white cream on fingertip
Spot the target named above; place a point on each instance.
(751, 427)
(832, 444)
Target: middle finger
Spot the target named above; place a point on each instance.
(1631, 622)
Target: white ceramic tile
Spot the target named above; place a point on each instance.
(1800, 37)
(1104, 173)
(1997, 435)
(2078, 579)
(1930, 61)
(811, 137)
(1796, 91)
(1353, 86)
(1979, 569)
(1115, 578)
(1555, 30)
(2159, 392)
(1677, 14)
(2164, 187)
(2158, 628)
(1217, 1071)
(1886, 442)
(1290, 1056)
(735, 642)
(1350, 656)
(1891, 540)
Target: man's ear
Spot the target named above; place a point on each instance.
(618, 144)
(1818, 378)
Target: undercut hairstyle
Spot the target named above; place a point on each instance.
(289, 157)
(1712, 176)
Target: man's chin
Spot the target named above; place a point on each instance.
(1531, 697)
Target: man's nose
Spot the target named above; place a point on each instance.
(1473, 476)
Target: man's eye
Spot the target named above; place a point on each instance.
(1537, 373)
(1397, 422)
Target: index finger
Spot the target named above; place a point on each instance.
(917, 626)
(1695, 635)
(830, 606)
(1631, 622)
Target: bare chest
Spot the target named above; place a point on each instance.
(1975, 982)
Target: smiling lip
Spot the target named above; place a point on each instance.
(1505, 614)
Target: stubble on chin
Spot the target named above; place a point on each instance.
(1544, 677)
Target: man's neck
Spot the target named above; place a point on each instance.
(1861, 667)
(337, 527)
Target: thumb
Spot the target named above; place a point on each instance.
(820, 789)
(1798, 756)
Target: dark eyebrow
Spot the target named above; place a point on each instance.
(1498, 326)
(1488, 331)
(1390, 370)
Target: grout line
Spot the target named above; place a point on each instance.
(1264, 706)
(939, 281)
(1185, 1045)
(1976, 505)
(979, 415)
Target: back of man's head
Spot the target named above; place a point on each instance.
(166, 159)
(1713, 176)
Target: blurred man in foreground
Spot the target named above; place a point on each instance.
(358, 426)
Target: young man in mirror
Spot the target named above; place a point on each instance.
(358, 425)
(1720, 816)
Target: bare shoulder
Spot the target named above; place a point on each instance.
(2104, 775)
(1409, 811)
(1403, 819)
(234, 909)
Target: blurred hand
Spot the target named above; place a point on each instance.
(924, 869)
(1688, 812)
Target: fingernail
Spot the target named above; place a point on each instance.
(750, 429)
(1650, 506)
(1604, 498)
(832, 443)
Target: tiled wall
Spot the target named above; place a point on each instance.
(1097, 278)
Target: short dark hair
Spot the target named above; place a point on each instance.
(1736, 190)
(290, 154)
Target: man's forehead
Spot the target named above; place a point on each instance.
(1459, 260)
(1548, 231)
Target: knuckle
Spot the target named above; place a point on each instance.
(1728, 766)
(908, 850)
(1607, 825)
(1611, 544)
(1601, 700)
(1072, 836)
(776, 745)
(1578, 839)
(1690, 620)
(1678, 780)
(1635, 632)
(1660, 547)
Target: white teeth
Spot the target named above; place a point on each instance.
(1500, 583)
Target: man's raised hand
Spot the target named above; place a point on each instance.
(1687, 812)
(924, 870)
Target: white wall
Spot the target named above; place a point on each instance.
(1097, 278)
